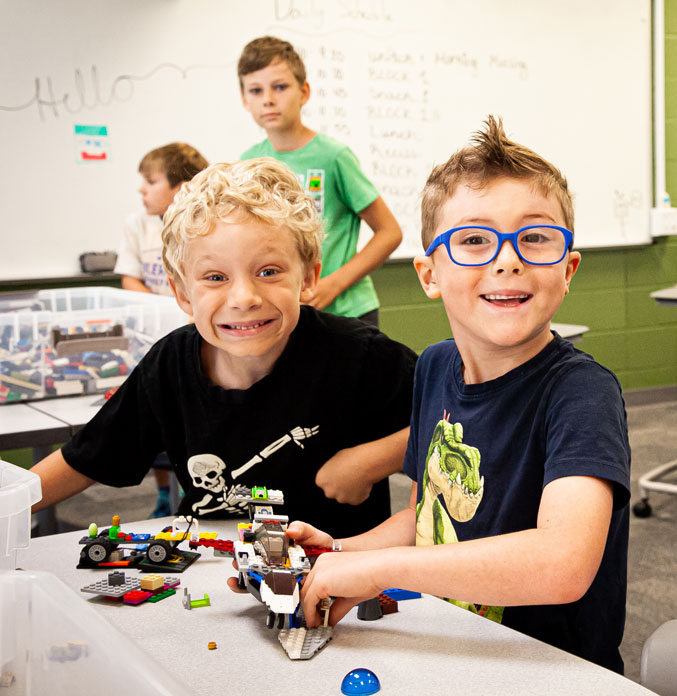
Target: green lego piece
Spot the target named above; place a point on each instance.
(200, 602)
(162, 595)
(259, 493)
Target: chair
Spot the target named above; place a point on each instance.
(658, 665)
(651, 482)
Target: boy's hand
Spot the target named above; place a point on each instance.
(232, 583)
(305, 534)
(326, 291)
(343, 478)
(347, 576)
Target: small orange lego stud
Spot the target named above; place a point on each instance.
(211, 645)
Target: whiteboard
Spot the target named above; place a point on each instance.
(403, 83)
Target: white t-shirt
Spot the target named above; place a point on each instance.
(140, 253)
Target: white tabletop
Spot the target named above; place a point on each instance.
(74, 410)
(23, 426)
(428, 647)
(572, 332)
(665, 296)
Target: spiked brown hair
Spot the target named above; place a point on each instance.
(490, 156)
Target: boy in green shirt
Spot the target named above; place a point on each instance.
(274, 89)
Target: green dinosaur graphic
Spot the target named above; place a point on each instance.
(453, 472)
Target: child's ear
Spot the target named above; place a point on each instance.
(572, 266)
(426, 275)
(310, 282)
(182, 299)
(305, 93)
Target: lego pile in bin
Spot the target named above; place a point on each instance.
(77, 340)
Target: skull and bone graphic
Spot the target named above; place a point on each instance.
(206, 471)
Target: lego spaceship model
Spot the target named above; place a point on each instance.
(270, 567)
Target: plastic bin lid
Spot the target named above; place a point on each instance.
(19, 489)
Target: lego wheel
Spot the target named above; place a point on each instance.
(158, 551)
(98, 552)
(280, 620)
(270, 621)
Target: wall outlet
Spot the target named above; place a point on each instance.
(663, 222)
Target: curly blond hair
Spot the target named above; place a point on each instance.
(490, 156)
(262, 188)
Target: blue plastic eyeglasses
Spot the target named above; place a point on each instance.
(475, 245)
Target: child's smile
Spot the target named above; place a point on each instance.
(507, 299)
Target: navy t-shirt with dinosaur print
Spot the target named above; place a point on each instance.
(481, 455)
(338, 383)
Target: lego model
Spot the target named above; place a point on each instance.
(270, 567)
(111, 547)
(152, 588)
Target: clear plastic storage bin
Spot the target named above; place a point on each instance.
(19, 490)
(52, 642)
(77, 340)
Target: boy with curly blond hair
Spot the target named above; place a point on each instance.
(259, 390)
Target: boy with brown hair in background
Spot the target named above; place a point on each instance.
(139, 261)
(274, 89)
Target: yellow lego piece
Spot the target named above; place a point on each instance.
(152, 582)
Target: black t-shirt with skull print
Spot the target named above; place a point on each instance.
(338, 383)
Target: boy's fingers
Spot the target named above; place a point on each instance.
(232, 583)
(299, 530)
(304, 533)
(340, 607)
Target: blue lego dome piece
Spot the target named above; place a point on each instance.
(360, 681)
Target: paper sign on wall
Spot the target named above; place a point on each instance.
(91, 144)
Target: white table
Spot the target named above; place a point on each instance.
(572, 332)
(428, 647)
(666, 296)
(42, 424)
(74, 411)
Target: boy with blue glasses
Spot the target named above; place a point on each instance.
(518, 450)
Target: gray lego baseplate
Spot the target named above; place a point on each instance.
(303, 643)
(103, 587)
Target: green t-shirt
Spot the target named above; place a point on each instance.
(331, 175)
